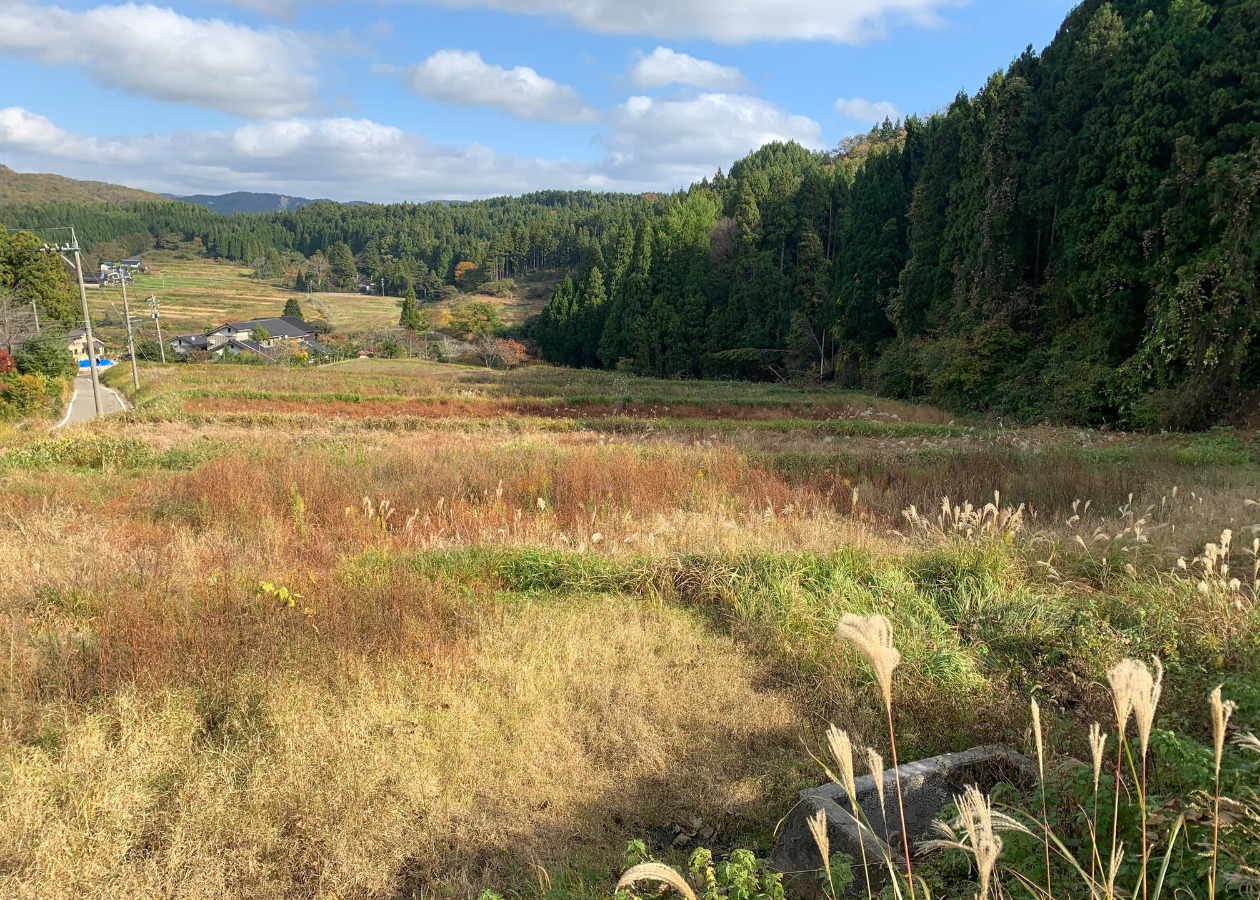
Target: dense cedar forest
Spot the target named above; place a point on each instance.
(1077, 241)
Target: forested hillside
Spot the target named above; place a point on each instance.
(404, 244)
(35, 188)
(1076, 241)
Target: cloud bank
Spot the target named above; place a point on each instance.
(677, 141)
(732, 21)
(651, 145)
(155, 52)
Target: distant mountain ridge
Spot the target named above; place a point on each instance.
(35, 188)
(247, 202)
(38, 189)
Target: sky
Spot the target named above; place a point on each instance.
(415, 100)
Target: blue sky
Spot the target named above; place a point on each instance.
(406, 100)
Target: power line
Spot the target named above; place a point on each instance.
(61, 248)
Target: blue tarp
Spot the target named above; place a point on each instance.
(100, 363)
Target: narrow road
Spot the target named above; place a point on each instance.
(83, 407)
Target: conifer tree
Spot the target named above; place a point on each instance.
(589, 319)
(620, 338)
(411, 317)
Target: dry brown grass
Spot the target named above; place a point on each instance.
(432, 725)
(396, 779)
(167, 730)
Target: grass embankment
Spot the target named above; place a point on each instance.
(507, 643)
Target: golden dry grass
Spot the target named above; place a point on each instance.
(399, 778)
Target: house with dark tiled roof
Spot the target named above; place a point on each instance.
(186, 343)
(276, 327)
(235, 338)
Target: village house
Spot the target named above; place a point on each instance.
(238, 337)
(76, 343)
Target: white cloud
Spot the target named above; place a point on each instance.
(678, 141)
(25, 131)
(732, 21)
(156, 52)
(665, 66)
(464, 78)
(652, 145)
(864, 110)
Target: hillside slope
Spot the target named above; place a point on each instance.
(40, 188)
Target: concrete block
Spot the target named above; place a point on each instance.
(926, 785)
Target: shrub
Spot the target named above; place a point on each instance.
(7, 363)
(23, 395)
(475, 318)
(502, 288)
(740, 877)
(150, 350)
(46, 354)
(84, 451)
(434, 351)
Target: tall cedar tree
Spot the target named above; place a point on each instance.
(411, 317)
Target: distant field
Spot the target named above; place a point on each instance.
(199, 294)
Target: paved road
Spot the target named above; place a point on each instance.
(83, 407)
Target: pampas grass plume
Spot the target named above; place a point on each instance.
(818, 828)
(876, 764)
(652, 871)
(842, 750)
(1136, 692)
(1222, 710)
(1097, 745)
(872, 635)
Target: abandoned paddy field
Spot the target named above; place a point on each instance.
(392, 629)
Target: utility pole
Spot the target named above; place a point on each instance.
(131, 341)
(157, 320)
(35, 313)
(61, 249)
(87, 328)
